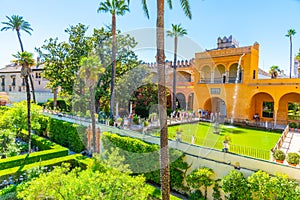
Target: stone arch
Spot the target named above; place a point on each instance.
(256, 106)
(216, 105)
(219, 72)
(183, 76)
(233, 73)
(205, 74)
(180, 101)
(282, 113)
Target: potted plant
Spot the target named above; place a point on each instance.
(279, 156)
(292, 125)
(293, 158)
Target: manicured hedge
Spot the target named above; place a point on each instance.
(143, 158)
(32, 157)
(47, 150)
(67, 134)
(76, 160)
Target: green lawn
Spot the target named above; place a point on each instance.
(255, 143)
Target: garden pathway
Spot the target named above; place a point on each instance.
(291, 142)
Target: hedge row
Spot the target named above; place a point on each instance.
(143, 158)
(67, 134)
(63, 133)
(76, 160)
(48, 150)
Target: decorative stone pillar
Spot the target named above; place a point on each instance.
(227, 76)
(212, 76)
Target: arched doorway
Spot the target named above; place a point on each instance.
(289, 108)
(262, 104)
(216, 105)
(180, 101)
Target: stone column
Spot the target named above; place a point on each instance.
(212, 76)
(117, 109)
(130, 109)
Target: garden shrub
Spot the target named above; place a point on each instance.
(143, 158)
(75, 160)
(67, 134)
(61, 105)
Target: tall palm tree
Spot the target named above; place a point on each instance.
(177, 31)
(162, 101)
(114, 7)
(298, 58)
(17, 23)
(90, 71)
(290, 34)
(26, 60)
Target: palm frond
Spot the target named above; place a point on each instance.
(186, 8)
(145, 8)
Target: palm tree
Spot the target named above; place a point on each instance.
(26, 60)
(177, 31)
(17, 23)
(115, 7)
(89, 71)
(274, 71)
(160, 57)
(290, 34)
(298, 58)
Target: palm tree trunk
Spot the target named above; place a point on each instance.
(291, 49)
(28, 113)
(113, 68)
(54, 98)
(164, 151)
(92, 110)
(174, 73)
(20, 41)
(31, 82)
(32, 88)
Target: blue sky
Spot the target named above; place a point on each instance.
(264, 21)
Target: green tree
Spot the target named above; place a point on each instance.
(200, 178)
(260, 186)
(26, 60)
(236, 186)
(177, 31)
(290, 34)
(62, 60)
(284, 188)
(127, 67)
(100, 182)
(162, 101)
(90, 72)
(114, 7)
(17, 23)
(274, 71)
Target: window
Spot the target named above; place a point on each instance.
(254, 74)
(268, 109)
(37, 75)
(13, 81)
(215, 91)
(3, 81)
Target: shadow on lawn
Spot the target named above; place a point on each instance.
(234, 131)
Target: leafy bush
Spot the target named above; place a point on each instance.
(135, 119)
(143, 158)
(279, 155)
(71, 135)
(61, 105)
(293, 158)
(293, 125)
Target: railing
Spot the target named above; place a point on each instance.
(281, 140)
(233, 148)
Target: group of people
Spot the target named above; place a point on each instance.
(182, 115)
